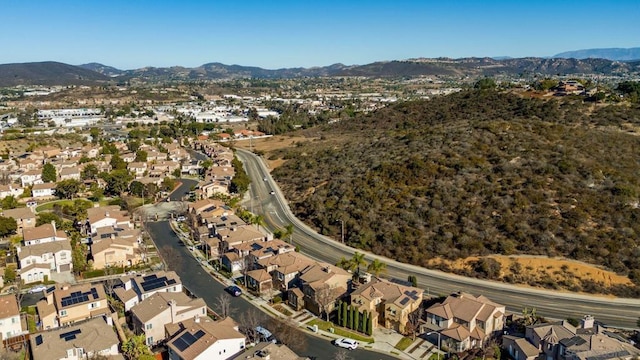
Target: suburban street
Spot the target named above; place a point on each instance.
(618, 312)
(203, 285)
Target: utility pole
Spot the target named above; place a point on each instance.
(341, 230)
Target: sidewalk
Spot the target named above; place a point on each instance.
(384, 340)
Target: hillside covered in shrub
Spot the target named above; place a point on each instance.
(476, 173)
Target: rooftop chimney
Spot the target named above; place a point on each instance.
(587, 322)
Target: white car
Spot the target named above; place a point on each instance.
(346, 343)
(37, 289)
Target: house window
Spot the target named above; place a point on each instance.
(63, 255)
(70, 353)
(149, 326)
(63, 313)
(14, 320)
(150, 340)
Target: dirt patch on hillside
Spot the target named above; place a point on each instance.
(269, 145)
(539, 271)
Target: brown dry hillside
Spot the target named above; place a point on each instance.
(476, 174)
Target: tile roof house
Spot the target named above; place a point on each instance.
(70, 173)
(562, 341)
(31, 177)
(107, 216)
(43, 190)
(25, 217)
(284, 269)
(10, 324)
(321, 282)
(205, 339)
(43, 234)
(65, 304)
(80, 341)
(115, 252)
(38, 261)
(465, 321)
(10, 190)
(138, 288)
(519, 348)
(233, 236)
(389, 303)
(270, 350)
(151, 315)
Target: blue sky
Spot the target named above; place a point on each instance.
(274, 34)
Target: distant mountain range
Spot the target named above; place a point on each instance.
(54, 73)
(620, 54)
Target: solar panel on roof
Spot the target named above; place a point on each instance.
(70, 335)
(404, 301)
(51, 289)
(180, 344)
(171, 282)
(94, 293)
(149, 277)
(39, 340)
(155, 283)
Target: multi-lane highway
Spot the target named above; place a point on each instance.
(266, 199)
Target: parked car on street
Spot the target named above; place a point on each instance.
(234, 290)
(346, 343)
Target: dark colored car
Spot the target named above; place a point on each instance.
(234, 290)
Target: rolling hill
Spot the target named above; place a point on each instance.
(475, 174)
(48, 73)
(619, 54)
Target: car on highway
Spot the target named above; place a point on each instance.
(264, 179)
(37, 289)
(272, 192)
(234, 290)
(346, 343)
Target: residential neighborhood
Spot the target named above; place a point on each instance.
(82, 213)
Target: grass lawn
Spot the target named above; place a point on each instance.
(282, 309)
(49, 205)
(340, 331)
(404, 343)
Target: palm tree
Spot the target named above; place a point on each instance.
(288, 232)
(258, 220)
(376, 267)
(358, 260)
(346, 264)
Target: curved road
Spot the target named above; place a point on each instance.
(618, 312)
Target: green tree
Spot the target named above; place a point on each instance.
(117, 163)
(370, 326)
(356, 321)
(79, 258)
(9, 202)
(339, 311)
(176, 173)
(9, 274)
(376, 267)
(141, 156)
(117, 181)
(137, 188)
(345, 314)
(47, 217)
(168, 184)
(358, 260)
(49, 173)
(413, 280)
(135, 348)
(67, 189)
(95, 135)
(352, 316)
(8, 226)
(485, 84)
(90, 172)
(97, 193)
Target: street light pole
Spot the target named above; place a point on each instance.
(438, 333)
